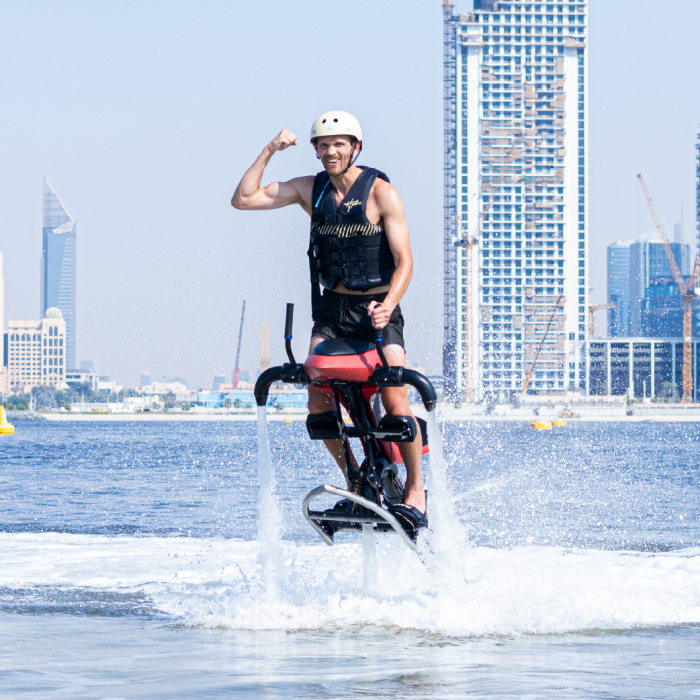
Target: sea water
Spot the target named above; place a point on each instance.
(134, 563)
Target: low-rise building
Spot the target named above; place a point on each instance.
(109, 387)
(163, 388)
(36, 352)
(149, 402)
(281, 399)
(77, 377)
(639, 368)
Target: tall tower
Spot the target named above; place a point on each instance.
(697, 192)
(619, 273)
(58, 263)
(518, 181)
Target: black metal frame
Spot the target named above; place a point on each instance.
(364, 426)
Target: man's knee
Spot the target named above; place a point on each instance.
(395, 355)
(320, 402)
(395, 401)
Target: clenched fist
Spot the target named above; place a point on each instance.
(380, 314)
(283, 140)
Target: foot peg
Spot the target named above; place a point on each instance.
(323, 426)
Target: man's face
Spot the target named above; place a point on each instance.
(335, 153)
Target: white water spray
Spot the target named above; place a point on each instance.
(448, 534)
(269, 526)
(369, 558)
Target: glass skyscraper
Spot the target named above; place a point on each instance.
(655, 301)
(58, 263)
(516, 198)
(619, 273)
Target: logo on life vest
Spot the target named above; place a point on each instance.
(352, 203)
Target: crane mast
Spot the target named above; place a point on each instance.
(592, 308)
(237, 370)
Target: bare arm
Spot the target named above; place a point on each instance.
(391, 208)
(249, 194)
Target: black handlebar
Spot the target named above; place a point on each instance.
(289, 320)
(384, 376)
(379, 341)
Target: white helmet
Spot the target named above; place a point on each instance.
(336, 124)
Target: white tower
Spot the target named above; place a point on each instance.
(517, 176)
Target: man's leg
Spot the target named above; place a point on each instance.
(322, 403)
(395, 400)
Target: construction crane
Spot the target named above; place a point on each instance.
(539, 347)
(265, 353)
(688, 292)
(237, 370)
(468, 244)
(592, 308)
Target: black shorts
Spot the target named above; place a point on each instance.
(345, 316)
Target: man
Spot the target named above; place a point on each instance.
(360, 253)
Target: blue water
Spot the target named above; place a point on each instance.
(129, 568)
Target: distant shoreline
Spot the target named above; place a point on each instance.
(451, 417)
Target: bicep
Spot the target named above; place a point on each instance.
(276, 195)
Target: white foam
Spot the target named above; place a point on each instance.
(221, 583)
(270, 521)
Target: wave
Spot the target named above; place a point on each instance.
(219, 583)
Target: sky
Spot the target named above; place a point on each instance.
(143, 115)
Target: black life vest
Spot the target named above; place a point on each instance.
(344, 245)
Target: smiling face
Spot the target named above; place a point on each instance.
(336, 153)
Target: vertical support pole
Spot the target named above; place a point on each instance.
(673, 368)
(609, 367)
(587, 345)
(631, 369)
(450, 302)
(653, 370)
(695, 372)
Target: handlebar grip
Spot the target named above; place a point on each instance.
(288, 322)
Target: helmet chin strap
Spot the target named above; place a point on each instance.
(353, 159)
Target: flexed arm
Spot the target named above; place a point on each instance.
(391, 208)
(249, 194)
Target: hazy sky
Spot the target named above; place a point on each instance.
(144, 115)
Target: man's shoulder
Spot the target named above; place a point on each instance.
(383, 189)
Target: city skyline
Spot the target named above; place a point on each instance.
(148, 163)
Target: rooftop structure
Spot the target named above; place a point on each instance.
(58, 265)
(516, 170)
